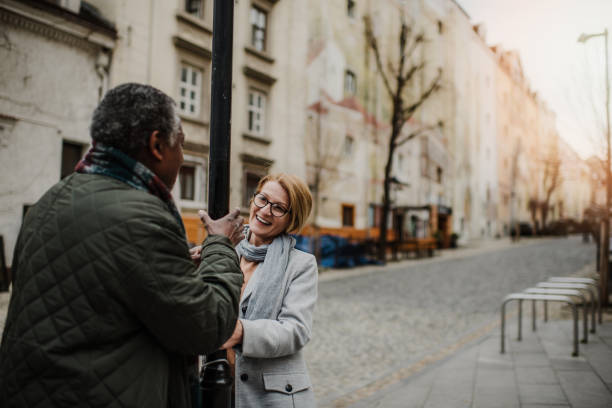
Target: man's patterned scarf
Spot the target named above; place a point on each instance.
(112, 162)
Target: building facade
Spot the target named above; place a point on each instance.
(54, 61)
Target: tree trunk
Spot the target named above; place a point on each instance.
(382, 240)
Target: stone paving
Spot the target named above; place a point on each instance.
(376, 322)
(535, 372)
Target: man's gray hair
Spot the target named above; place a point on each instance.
(129, 113)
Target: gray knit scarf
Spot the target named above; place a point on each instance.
(270, 285)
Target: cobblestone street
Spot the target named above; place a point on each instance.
(370, 324)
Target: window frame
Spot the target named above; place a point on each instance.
(200, 200)
(348, 147)
(261, 110)
(350, 82)
(70, 143)
(246, 201)
(199, 13)
(350, 207)
(351, 8)
(190, 87)
(258, 44)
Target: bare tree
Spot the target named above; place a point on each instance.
(397, 80)
(551, 181)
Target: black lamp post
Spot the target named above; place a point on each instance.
(216, 379)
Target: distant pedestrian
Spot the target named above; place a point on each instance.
(277, 301)
(108, 309)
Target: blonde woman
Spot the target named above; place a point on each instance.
(277, 301)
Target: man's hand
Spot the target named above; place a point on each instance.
(231, 226)
(236, 337)
(196, 254)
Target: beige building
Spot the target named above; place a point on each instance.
(168, 44)
(54, 60)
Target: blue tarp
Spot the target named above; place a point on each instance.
(336, 252)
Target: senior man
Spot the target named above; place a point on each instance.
(107, 307)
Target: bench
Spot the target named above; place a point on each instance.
(418, 246)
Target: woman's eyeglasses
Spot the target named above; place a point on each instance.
(261, 201)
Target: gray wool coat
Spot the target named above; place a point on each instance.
(270, 368)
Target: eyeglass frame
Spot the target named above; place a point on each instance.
(272, 205)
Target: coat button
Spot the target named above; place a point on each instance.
(244, 376)
(288, 388)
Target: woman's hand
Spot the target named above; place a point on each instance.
(236, 337)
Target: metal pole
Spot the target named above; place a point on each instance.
(520, 319)
(216, 379)
(606, 239)
(221, 109)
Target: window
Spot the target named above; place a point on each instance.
(439, 174)
(350, 8)
(71, 154)
(349, 143)
(257, 112)
(187, 179)
(191, 187)
(400, 163)
(258, 29)
(251, 181)
(195, 7)
(350, 82)
(190, 90)
(348, 215)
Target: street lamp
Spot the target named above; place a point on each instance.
(605, 244)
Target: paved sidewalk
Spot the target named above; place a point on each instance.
(536, 372)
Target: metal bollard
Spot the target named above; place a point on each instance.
(216, 381)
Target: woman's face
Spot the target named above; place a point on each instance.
(263, 225)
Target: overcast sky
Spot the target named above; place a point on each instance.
(568, 75)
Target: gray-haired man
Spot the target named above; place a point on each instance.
(107, 307)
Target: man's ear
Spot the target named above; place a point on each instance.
(155, 146)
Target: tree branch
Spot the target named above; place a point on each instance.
(417, 41)
(374, 46)
(433, 86)
(414, 134)
(413, 70)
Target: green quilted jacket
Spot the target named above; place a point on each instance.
(107, 309)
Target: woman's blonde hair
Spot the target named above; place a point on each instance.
(300, 199)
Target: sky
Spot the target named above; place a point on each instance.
(568, 75)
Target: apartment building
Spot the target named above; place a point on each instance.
(54, 61)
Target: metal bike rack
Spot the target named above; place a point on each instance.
(587, 281)
(564, 292)
(579, 286)
(528, 296)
